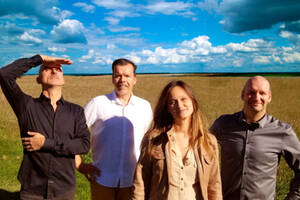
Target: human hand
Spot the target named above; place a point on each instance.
(33, 143)
(88, 170)
(54, 61)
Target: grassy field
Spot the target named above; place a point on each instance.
(217, 95)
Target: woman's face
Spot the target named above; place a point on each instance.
(180, 105)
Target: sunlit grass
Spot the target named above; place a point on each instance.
(217, 95)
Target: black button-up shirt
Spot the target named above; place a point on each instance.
(50, 171)
(250, 155)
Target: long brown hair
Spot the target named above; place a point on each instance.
(163, 120)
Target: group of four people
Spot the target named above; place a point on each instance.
(179, 156)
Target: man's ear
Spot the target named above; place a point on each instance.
(38, 80)
(242, 95)
(270, 97)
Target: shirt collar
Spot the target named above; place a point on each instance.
(115, 99)
(46, 99)
(261, 123)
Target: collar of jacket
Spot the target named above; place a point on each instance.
(161, 150)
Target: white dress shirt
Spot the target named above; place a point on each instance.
(117, 132)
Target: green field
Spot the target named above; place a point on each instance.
(217, 95)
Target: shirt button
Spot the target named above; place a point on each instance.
(181, 179)
(181, 167)
(181, 189)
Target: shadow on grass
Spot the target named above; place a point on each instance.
(6, 195)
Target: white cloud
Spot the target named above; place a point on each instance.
(111, 46)
(293, 37)
(134, 59)
(251, 45)
(123, 29)
(57, 49)
(254, 52)
(26, 37)
(168, 8)
(240, 47)
(291, 57)
(112, 4)
(199, 45)
(123, 13)
(112, 20)
(261, 60)
(101, 60)
(85, 7)
(37, 32)
(90, 54)
(69, 31)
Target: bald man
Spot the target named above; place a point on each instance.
(252, 143)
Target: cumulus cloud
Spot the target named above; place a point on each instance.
(251, 45)
(198, 49)
(44, 11)
(96, 58)
(69, 31)
(85, 7)
(246, 15)
(254, 52)
(261, 60)
(293, 57)
(294, 38)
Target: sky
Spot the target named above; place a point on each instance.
(159, 36)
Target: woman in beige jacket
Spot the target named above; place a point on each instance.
(179, 157)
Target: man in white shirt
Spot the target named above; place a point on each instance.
(119, 121)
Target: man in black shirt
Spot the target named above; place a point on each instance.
(52, 130)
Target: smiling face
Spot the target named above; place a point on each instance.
(180, 105)
(256, 95)
(51, 76)
(123, 79)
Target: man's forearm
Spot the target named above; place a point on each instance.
(19, 67)
(10, 88)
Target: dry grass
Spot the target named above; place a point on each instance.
(217, 95)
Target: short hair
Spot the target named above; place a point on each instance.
(123, 61)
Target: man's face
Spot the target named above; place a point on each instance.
(257, 95)
(51, 76)
(123, 79)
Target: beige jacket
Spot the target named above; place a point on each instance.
(151, 175)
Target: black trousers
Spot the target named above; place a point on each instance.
(67, 196)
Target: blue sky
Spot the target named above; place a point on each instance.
(159, 36)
